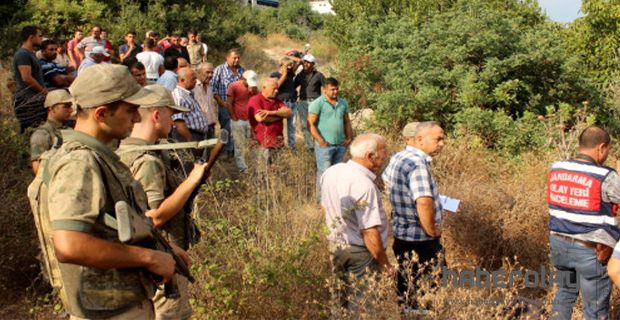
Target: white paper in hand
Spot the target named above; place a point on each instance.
(450, 204)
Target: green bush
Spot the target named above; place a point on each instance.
(430, 62)
(497, 130)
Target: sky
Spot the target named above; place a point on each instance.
(561, 10)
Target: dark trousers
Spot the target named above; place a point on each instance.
(410, 272)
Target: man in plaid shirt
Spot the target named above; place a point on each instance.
(416, 207)
(225, 74)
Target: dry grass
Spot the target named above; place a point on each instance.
(264, 255)
(262, 54)
(21, 288)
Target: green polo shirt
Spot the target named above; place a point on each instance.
(331, 119)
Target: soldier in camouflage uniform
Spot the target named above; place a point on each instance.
(58, 104)
(167, 193)
(77, 188)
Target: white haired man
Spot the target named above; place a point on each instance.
(354, 213)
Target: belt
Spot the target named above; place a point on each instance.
(583, 243)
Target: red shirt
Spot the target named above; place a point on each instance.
(268, 135)
(71, 45)
(241, 95)
(108, 46)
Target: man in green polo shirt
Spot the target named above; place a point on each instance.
(330, 127)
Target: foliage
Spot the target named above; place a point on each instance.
(595, 37)
(220, 22)
(499, 131)
(491, 55)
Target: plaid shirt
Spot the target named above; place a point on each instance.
(194, 119)
(408, 177)
(223, 76)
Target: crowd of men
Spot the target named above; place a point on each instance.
(100, 123)
(167, 89)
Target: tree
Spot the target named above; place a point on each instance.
(492, 55)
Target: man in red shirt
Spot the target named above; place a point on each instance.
(239, 93)
(266, 113)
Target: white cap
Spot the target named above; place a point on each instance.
(251, 77)
(99, 50)
(310, 58)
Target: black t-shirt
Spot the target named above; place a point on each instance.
(24, 57)
(28, 103)
(172, 51)
(310, 83)
(287, 90)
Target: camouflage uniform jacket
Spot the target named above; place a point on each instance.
(152, 170)
(84, 179)
(44, 137)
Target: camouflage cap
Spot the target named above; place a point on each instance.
(164, 99)
(106, 83)
(55, 97)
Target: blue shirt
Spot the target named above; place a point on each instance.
(408, 177)
(168, 80)
(223, 76)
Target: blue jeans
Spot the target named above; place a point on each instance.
(303, 118)
(290, 124)
(223, 116)
(586, 274)
(325, 158)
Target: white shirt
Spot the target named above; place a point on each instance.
(352, 203)
(204, 95)
(151, 61)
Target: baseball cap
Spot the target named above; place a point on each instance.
(57, 96)
(99, 50)
(251, 77)
(164, 99)
(106, 83)
(310, 58)
(410, 129)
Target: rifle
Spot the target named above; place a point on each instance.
(135, 230)
(212, 155)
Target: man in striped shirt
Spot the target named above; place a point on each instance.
(192, 125)
(582, 195)
(55, 76)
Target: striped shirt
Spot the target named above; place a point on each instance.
(194, 119)
(51, 69)
(87, 44)
(408, 177)
(223, 76)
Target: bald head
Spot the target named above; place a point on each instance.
(270, 88)
(186, 78)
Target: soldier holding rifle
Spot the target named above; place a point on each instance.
(166, 192)
(101, 277)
